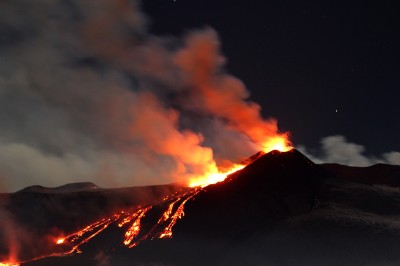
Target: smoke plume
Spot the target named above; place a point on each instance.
(88, 94)
(336, 149)
(219, 94)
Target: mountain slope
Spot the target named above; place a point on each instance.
(281, 209)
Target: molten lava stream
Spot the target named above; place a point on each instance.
(87, 233)
(172, 205)
(135, 228)
(179, 213)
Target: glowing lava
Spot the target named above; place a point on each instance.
(11, 261)
(179, 213)
(213, 175)
(134, 230)
(9, 264)
(172, 209)
(280, 143)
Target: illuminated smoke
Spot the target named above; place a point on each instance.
(218, 93)
(158, 129)
(91, 95)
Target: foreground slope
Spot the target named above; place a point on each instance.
(282, 209)
(32, 218)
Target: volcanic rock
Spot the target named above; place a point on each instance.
(282, 209)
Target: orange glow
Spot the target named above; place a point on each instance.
(279, 142)
(172, 208)
(158, 129)
(83, 236)
(12, 261)
(214, 176)
(9, 264)
(179, 213)
(134, 230)
(168, 212)
(127, 219)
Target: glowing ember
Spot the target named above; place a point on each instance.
(168, 212)
(9, 264)
(83, 236)
(214, 177)
(179, 213)
(127, 219)
(279, 143)
(134, 230)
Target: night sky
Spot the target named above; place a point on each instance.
(86, 87)
(321, 68)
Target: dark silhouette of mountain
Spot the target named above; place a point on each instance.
(68, 188)
(34, 214)
(378, 174)
(282, 209)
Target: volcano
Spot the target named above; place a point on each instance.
(281, 209)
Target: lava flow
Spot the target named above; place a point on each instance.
(132, 222)
(172, 210)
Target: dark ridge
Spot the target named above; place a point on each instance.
(39, 210)
(67, 188)
(276, 185)
(282, 209)
(252, 158)
(378, 174)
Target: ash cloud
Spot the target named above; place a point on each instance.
(88, 94)
(336, 149)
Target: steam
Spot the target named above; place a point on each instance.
(88, 94)
(336, 149)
